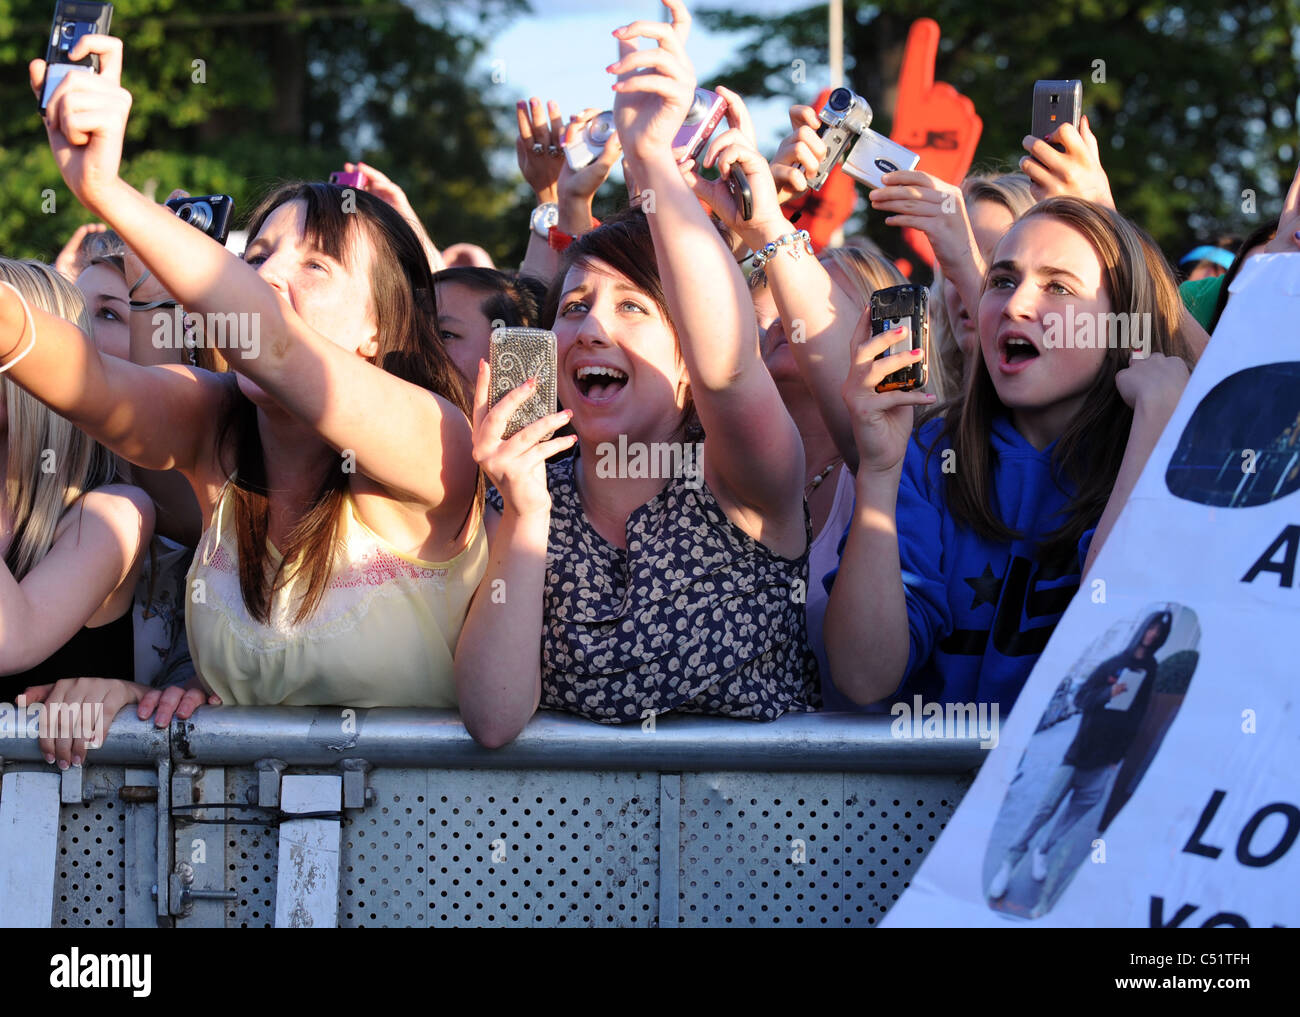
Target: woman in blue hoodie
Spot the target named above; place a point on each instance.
(971, 534)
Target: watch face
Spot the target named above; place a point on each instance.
(544, 217)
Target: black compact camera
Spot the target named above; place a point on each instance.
(212, 213)
(72, 20)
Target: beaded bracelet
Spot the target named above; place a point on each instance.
(796, 242)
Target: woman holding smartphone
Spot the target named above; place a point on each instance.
(343, 530)
(645, 594)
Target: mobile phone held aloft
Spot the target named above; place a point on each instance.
(212, 213)
(907, 306)
(1056, 103)
(515, 355)
(72, 20)
(355, 179)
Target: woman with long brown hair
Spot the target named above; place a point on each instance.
(970, 535)
(343, 528)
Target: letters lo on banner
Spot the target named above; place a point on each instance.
(1146, 776)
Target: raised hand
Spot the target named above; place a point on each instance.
(86, 120)
(655, 87)
(516, 465)
(882, 421)
(537, 148)
(799, 155)
(1077, 171)
(1287, 238)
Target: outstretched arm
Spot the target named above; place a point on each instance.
(395, 429)
(754, 448)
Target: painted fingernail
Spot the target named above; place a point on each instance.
(49, 758)
(63, 764)
(76, 760)
(916, 353)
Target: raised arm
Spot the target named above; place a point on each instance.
(1152, 386)
(867, 627)
(498, 657)
(754, 449)
(397, 431)
(160, 418)
(96, 554)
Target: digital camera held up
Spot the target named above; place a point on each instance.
(212, 213)
(702, 119)
(73, 19)
(866, 154)
(591, 141)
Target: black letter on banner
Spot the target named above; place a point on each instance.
(1225, 920)
(1158, 914)
(1282, 847)
(1289, 538)
(1194, 845)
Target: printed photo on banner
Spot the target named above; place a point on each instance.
(1238, 460)
(1096, 739)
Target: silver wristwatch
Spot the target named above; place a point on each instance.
(544, 217)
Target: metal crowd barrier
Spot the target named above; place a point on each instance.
(323, 817)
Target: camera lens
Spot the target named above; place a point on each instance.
(69, 30)
(841, 99)
(699, 107)
(198, 214)
(600, 130)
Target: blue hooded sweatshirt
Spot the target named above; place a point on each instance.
(979, 612)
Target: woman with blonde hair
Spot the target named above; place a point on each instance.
(73, 543)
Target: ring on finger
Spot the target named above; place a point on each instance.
(537, 148)
(552, 150)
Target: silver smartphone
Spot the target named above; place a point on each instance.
(515, 355)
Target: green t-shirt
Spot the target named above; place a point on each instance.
(1201, 296)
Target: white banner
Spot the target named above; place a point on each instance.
(1149, 774)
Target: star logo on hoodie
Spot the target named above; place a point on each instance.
(986, 585)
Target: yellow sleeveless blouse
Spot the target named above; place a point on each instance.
(383, 634)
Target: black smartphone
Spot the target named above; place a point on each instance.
(514, 356)
(72, 20)
(1056, 103)
(907, 306)
(738, 185)
(211, 213)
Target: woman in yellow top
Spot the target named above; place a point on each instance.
(343, 529)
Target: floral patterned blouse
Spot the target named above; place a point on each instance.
(693, 616)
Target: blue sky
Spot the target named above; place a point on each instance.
(561, 52)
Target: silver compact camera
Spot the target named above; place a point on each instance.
(591, 141)
(844, 118)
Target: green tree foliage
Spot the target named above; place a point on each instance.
(232, 96)
(1194, 103)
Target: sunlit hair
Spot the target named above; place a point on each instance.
(401, 299)
(947, 363)
(51, 462)
(621, 242)
(867, 271)
(1088, 454)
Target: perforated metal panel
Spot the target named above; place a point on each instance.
(90, 876)
(509, 848)
(890, 824)
(804, 849)
(502, 848)
(252, 856)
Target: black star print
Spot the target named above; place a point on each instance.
(987, 587)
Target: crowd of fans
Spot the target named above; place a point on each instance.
(329, 514)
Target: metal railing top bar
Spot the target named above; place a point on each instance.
(130, 741)
(436, 738)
